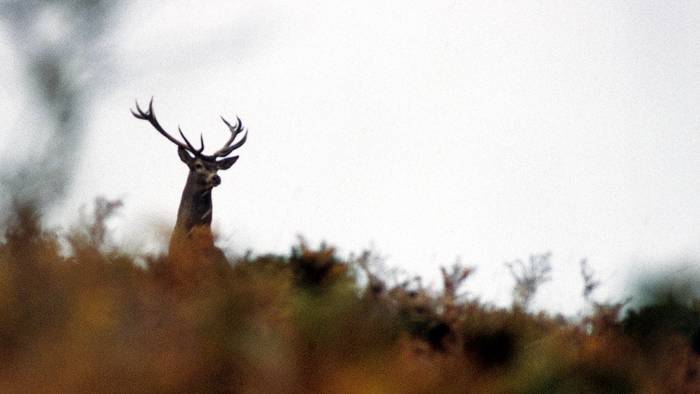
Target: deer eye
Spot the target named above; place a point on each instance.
(198, 167)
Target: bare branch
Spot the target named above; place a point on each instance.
(528, 277)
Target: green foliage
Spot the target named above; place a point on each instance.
(95, 319)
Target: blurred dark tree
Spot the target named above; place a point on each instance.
(62, 45)
(668, 308)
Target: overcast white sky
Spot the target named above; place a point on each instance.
(430, 129)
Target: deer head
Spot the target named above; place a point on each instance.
(196, 204)
(203, 168)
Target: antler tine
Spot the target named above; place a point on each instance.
(235, 130)
(140, 114)
(189, 145)
(150, 116)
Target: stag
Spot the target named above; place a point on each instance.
(195, 212)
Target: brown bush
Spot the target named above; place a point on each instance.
(94, 319)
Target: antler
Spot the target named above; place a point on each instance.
(150, 116)
(235, 130)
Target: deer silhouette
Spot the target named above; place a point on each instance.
(192, 235)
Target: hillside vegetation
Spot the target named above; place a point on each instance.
(79, 316)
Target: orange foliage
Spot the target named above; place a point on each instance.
(96, 320)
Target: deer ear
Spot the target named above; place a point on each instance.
(225, 164)
(184, 156)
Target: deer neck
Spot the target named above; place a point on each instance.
(195, 206)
